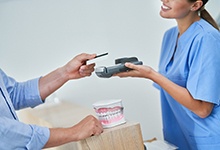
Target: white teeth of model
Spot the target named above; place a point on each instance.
(109, 114)
(101, 115)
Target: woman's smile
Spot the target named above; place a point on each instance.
(165, 8)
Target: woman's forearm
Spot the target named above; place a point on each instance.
(182, 95)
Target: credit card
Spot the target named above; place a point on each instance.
(98, 58)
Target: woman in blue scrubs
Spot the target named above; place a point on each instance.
(188, 76)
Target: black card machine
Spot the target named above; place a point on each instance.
(107, 72)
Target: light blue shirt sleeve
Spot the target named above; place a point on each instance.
(14, 134)
(20, 136)
(22, 94)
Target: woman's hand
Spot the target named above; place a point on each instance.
(140, 71)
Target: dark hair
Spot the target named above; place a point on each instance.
(204, 2)
(205, 14)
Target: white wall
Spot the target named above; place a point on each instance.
(37, 36)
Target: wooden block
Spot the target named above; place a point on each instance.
(123, 137)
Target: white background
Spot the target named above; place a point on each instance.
(37, 36)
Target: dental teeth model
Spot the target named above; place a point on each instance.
(110, 112)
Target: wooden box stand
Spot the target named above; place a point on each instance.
(126, 136)
(123, 137)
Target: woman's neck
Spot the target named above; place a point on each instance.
(184, 23)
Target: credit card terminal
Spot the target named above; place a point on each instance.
(107, 72)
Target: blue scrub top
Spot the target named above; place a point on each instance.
(195, 66)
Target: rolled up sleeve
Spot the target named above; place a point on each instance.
(17, 135)
(26, 94)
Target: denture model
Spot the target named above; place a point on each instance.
(110, 112)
